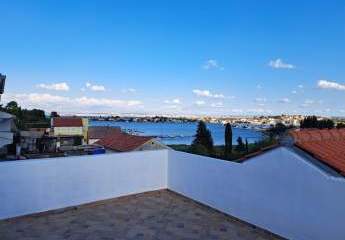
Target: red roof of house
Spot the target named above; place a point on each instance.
(123, 142)
(100, 132)
(327, 145)
(67, 122)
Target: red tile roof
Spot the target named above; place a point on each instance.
(100, 132)
(67, 122)
(327, 145)
(123, 142)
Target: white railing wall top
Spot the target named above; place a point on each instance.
(279, 190)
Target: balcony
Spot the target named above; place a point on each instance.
(170, 195)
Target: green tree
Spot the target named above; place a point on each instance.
(13, 108)
(26, 118)
(240, 145)
(228, 140)
(309, 122)
(327, 123)
(313, 122)
(54, 114)
(203, 137)
(277, 130)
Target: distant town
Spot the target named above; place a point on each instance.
(253, 122)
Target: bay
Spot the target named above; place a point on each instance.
(180, 133)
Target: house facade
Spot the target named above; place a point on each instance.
(69, 130)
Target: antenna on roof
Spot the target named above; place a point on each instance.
(2, 84)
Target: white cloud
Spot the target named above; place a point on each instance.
(54, 86)
(278, 63)
(260, 100)
(218, 95)
(62, 103)
(129, 90)
(200, 103)
(310, 102)
(106, 102)
(237, 110)
(173, 101)
(284, 100)
(260, 111)
(212, 64)
(253, 111)
(202, 93)
(217, 105)
(96, 88)
(38, 98)
(175, 107)
(299, 89)
(324, 84)
(207, 93)
(259, 86)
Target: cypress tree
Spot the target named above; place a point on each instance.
(203, 137)
(228, 140)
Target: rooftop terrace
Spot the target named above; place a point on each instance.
(279, 190)
(153, 215)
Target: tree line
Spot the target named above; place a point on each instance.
(26, 118)
(314, 122)
(203, 141)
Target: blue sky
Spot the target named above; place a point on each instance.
(176, 57)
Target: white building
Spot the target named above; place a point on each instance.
(7, 129)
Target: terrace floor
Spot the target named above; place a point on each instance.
(153, 215)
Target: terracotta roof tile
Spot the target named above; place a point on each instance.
(336, 134)
(67, 122)
(123, 142)
(342, 132)
(100, 132)
(327, 145)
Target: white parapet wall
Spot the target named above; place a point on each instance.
(278, 191)
(31, 186)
